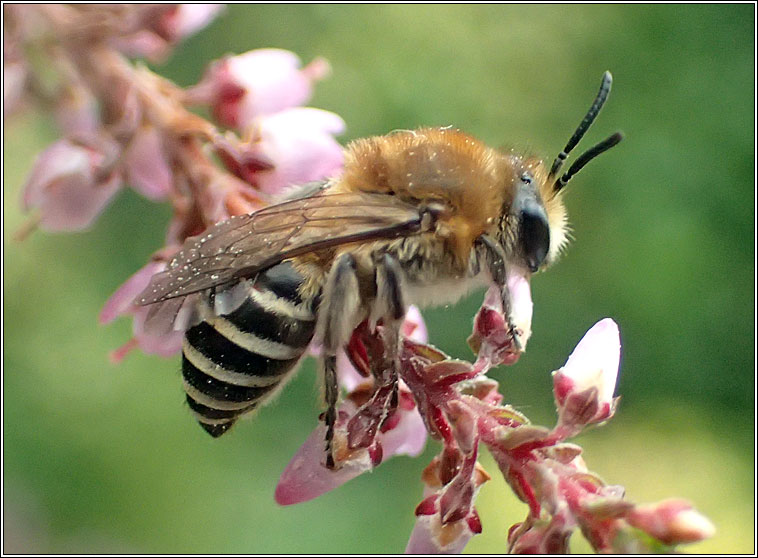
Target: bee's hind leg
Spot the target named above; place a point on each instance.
(384, 354)
(339, 306)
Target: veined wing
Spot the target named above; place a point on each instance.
(243, 245)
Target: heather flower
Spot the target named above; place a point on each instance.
(187, 19)
(14, 81)
(126, 123)
(584, 386)
(150, 31)
(491, 339)
(446, 518)
(430, 536)
(259, 82)
(147, 168)
(77, 113)
(404, 433)
(71, 184)
(300, 146)
(122, 303)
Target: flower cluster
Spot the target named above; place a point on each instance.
(457, 404)
(123, 125)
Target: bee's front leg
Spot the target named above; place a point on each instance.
(339, 306)
(390, 307)
(494, 258)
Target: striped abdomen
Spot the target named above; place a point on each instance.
(232, 363)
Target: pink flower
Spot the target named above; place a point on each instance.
(259, 82)
(521, 302)
(305, 477)
(492, 338)
(187, 19)
(147, 169)
(541, 537)
(151, 31)
(299, 144)
(446, 518)
(71, 184)
(121, 303)
(14, 82)
(142, 44)
(584, 386)
(430, 536)
(77, 112)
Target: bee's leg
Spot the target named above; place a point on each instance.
(339, 306)
(390, 307)
(495, 258)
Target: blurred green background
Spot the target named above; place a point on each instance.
(104, 458)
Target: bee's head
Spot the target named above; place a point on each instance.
(535, 228)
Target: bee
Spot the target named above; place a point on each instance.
(419, 217)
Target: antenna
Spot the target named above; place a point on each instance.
(585, 158)
(589, 118)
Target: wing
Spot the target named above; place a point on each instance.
(243, 245)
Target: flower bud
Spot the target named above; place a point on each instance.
(584, 386)
(671, 522)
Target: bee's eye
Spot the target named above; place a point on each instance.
(534, 235)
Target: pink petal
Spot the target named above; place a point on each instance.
(425, 537)
(66, 187)
(190, 18)
(73, 205)
(122, 301)
(305, 477)
(14, 82)
(165, 345)
(408, 437)
(147, 168)
(142, 44)
(671, 521)
(521, 302)
(77, 113)
(259, 82)
(346, 373)
(61, 159)
(273, 81)
(299, 143)
(414, 327)
(595, 360)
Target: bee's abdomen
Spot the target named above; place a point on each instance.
(232, 363)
